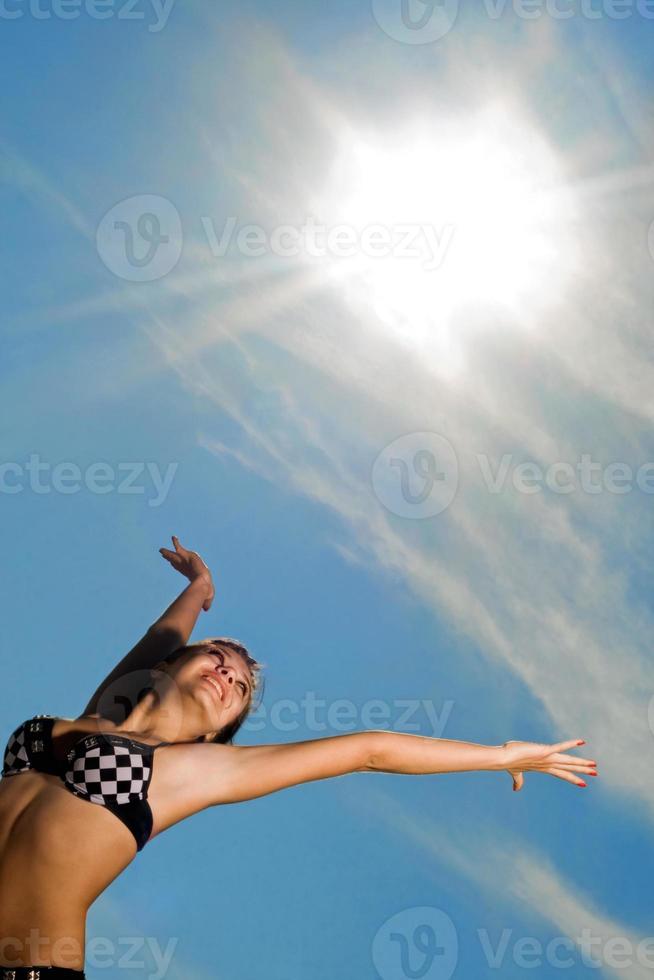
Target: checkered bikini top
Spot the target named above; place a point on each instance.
(110, 769)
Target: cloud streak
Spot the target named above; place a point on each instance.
(544, 584)
(530, 889)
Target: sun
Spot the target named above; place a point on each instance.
(447, 215)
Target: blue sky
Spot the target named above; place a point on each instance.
(269, 386)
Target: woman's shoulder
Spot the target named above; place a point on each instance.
(96, 724)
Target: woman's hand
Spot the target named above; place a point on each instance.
(189, 564)
(521, 757)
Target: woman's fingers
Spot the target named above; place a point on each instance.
(560, 757)
(564, 746)
(187, 563)
(567, 776)
(193, 559)
(177, 557)
(172, 556)
(581, 766)
(573, 769)
(518, 781)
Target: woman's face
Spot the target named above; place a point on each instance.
(217, 679)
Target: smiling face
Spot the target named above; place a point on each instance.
(218, 680)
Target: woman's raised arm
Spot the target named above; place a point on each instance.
(171, 630)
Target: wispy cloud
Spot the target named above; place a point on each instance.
(523, 886)
(23, 175)
(545, 584)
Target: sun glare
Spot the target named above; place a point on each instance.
(447, 215)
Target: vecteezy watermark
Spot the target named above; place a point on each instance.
(310, 712)
(426, 21)
(41, 477)
(342, 715)
(416, 21)
(156, 11)
(313, 240)
(140, 239)
(100, 952)
(567, 9)
(424, 942)
(565, 952)
(563, 477)
(417, 942)
(416, 476)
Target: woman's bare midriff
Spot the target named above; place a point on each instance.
(58, 853)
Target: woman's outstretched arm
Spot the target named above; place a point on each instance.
(209, 774)
(423, 755)
(170, 631)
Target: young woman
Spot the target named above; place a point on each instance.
(80, 797)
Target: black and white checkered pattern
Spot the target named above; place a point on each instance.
(17, 757)
(105, 770)
(110, 769)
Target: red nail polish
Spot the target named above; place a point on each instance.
(581, 784)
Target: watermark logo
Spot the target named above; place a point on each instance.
(309, 713)
(587, 950)
(119, 699)
(342, 715)
(426, 21)
(313, 240)
(416, 21)
(416, 944)
(567, 9)
(157, 11)
(562, 477)
(416, 476)
(140, 239)
(66, 477)
(422, 943)
(100, 951)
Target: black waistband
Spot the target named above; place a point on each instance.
(40, 973)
